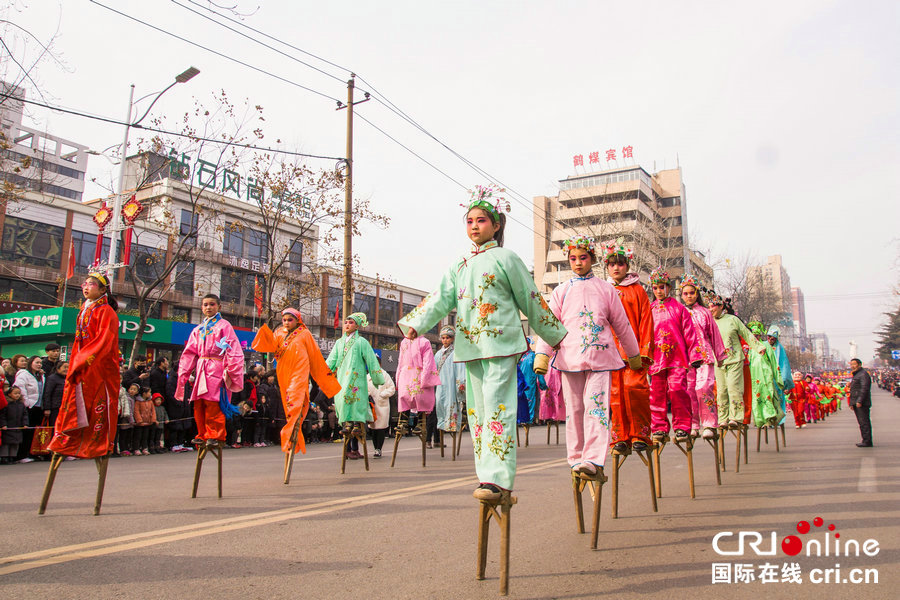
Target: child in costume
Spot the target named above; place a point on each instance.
(797, 396)
(351, 358)
(488, 286)
(214, 351)
(553, 407)
(450, 395)
(417, 376)
(88, 418)
(592, 307)
(784, 367)
(730, 375)
(676, 352)
(765, 378)
(629, 401)
(528, 386)
(812, 400)
(297, 357)
(701, 383)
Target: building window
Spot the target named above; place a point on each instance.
(181, 314)
(189, 227)
(335, 302)
(184, 277)
(387, 312)
(365, 304)
(408, 308)
(230, 290)
(233, 242)
(296, 256)
(256, 245)
(32, 243)
(250, 280)
(31, 291)
(85, 247)
(147, 263)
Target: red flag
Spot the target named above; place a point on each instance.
(257, 295)
(70, 270)
(337, 315)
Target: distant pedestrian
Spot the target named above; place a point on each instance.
(861, 401)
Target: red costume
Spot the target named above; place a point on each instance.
(797, 396)
(629, 391)
(88, 416)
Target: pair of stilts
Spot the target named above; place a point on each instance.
(421, 432)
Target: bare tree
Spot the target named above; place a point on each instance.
(752, 297)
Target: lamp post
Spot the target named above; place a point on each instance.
(116, 229)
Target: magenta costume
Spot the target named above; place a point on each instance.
(676, 347)
(590, 309)
(552, 405)
(417, 376)
(701, 383)
(215, 351)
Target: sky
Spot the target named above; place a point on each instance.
(783, 116)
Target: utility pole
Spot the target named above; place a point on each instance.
(348, 199)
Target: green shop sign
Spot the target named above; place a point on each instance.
(61, 321)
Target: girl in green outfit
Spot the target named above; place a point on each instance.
(488, 286)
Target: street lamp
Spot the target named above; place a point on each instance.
(117, 207)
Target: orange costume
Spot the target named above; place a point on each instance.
(88, 416)
(629, 391)
(296, 358)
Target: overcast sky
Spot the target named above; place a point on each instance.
(783, 116)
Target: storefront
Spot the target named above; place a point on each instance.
(29, 332)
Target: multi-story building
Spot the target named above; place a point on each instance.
(798, 311)
(818, 343)
(648, 210)
(773, 279)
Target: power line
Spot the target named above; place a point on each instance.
(217, 53)
(166, 132)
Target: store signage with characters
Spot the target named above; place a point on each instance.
(32, 322)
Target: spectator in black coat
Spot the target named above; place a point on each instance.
(861, 401)
(50, 362)
(53, 391)
(136, 374)
(158, 376)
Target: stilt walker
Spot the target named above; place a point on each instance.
(553, 408)
(89, 414)
(529, 385)
(488, 287)
(450, 395)
(765, 379)
(213, 354)
(585, 359)
(417, 376)
(351, 359)
(297, 358)
(784, 368)
(630, 390)
(797, 396)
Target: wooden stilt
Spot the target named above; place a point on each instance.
(744, 434)
(645, 456)
(688, 451)
(758, 437)
(399, 432)
(714, 443)
(775, 435)
(618, 460)
(423, 433)
(441, 437)
(527, 429)
(737, 455)
(289, 457)
(55, 461)
(360, 432)
(595, 483)
(202, 450)
(659, 444)
(487, 510)
(723, 433)
(345, 448)
(517, 436)
(767, 435)
(102, 465)
(783, 439)
(548, 431)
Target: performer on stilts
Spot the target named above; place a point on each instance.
(676, 352)
(784, 368)
(528, 388)
(488, 286)
(585, 358)
(701, 382)
(730, 376)
(765, 379)
(417, 376)
(89, 413)
(553, 407)
(351, 359)
(297, 357)
(450, 395)
(214, 352)
(629, 389)
(797, 396)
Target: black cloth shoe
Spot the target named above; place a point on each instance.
(861, 445)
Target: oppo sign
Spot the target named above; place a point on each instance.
(36, 322)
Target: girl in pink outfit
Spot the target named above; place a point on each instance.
(590, 309)
(417, 376)
(676, 352)
(553, 407)
(701, 384)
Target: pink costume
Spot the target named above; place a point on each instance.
(552, 405)
(417, 376)
(215, 351)
(675, 349)
(701, 384)
(590, 309)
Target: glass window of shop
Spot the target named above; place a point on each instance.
(256, 245)
(295, 258)
(189, 227)
(364, 303)
(184, 278)
(233, 241)
(31, 243)
(250, 280)
(387, 312)
(85, 248)
(230, 290)
(182, 314)
(28, 291)
(146, 263)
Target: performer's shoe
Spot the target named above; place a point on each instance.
(638, 445)
(588, 468)
(681, 435)
(346, 429)
(197, 441)
(861, 445)
(620, 447)
(487, 491)
(353, 455)
(709, 433)
(659, 436)
(402, 428)
(417, 430)
(695, 433)
(212, 443)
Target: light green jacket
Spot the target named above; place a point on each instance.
(351, 359)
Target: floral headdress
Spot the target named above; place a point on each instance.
(580, 242)
(483, 198)
(756, 328)
(690, 280)
(659, 275)
(610, 249)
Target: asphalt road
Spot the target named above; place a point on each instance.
(409, 532)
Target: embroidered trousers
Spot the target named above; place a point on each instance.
(730, 393)
(670, 385)
(587, 416)
(629, 406)
(491, 401)
(797, 407)
(701, 387)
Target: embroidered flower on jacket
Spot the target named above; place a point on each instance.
(496, 427)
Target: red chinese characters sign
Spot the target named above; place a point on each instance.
(611, 155)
